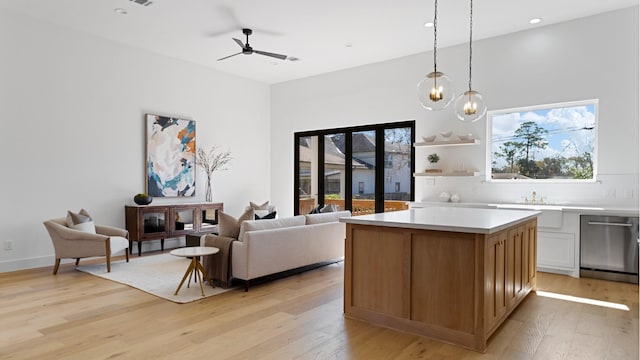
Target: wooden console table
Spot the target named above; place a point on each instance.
(158, 222)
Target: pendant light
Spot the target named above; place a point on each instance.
(469, 106)
(435, 90)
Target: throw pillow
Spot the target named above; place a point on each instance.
(271, 215)
(81, 216)
(255, 206)
(329, 208)
(229, 226)
(263, 207)
(81, 221)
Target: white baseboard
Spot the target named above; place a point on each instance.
(49, 260)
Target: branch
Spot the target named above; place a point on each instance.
(210, 161)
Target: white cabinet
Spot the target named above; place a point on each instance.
(559, 244)
(556, 251)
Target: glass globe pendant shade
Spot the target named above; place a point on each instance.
(435, 91)
(469, 106)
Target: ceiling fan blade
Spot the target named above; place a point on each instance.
(226, 57)
(239, 42)
(277, 56)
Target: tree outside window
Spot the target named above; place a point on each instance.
(552, 142)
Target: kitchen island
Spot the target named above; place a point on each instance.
(452, 274)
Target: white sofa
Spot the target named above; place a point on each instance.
(266, 247)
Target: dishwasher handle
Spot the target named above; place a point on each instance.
(609, 224)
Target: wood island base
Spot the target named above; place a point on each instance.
(455, 287)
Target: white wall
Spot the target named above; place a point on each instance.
(72, 109)
(595, 57)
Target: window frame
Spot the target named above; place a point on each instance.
(568, 104)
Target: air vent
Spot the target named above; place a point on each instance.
(142, 2)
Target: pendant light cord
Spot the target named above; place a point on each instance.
(435, 37)
(470, 40)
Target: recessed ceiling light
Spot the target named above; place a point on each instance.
(428, 24)
(349, 44)
(293, 58)
(120, 11)
(535, 20)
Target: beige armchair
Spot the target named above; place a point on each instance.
(76, 244)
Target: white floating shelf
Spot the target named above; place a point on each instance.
(447, 143)
(457, 173)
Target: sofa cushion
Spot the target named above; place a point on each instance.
(253, 225)
(326, 217)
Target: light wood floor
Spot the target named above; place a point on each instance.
(78, 316)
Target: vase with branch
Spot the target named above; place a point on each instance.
(212, 160)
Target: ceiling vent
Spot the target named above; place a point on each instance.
(142, 2)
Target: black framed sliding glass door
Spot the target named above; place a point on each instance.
(365, 169)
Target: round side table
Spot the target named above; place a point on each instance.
(194, 253)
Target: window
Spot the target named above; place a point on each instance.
(388, 161)
(365, 169)
(543, 143)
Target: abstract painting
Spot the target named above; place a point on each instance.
(171, 155)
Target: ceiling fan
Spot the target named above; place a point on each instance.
(248, 50)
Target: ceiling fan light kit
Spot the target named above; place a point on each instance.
(435, 90)
(248, 50)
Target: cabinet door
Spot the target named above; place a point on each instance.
(515, 265)
(154, 222)
(183, 219)
(495, 270)
(529, 255)
(556, 250)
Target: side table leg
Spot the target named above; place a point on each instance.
(204, 273)
(199, 277)
(189, 269)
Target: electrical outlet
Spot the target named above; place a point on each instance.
(610, 193)
(8, 245)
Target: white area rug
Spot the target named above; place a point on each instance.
(158, 275)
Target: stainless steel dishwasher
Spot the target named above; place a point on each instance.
(609, 247)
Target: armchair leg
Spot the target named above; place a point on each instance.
(56, 267)
(126, 254)
(77, 261)
(109, 261)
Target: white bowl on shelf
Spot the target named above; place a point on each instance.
(429, 138)
(446, 134)
(466, 136)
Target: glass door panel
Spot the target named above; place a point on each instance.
(397, 168)
(154, 222)
(334, 170)
(363, 172)
(308, 170)
(184, 219)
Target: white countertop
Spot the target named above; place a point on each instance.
(447, 218)
(581, 209)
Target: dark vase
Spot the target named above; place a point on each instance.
(142, 199)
